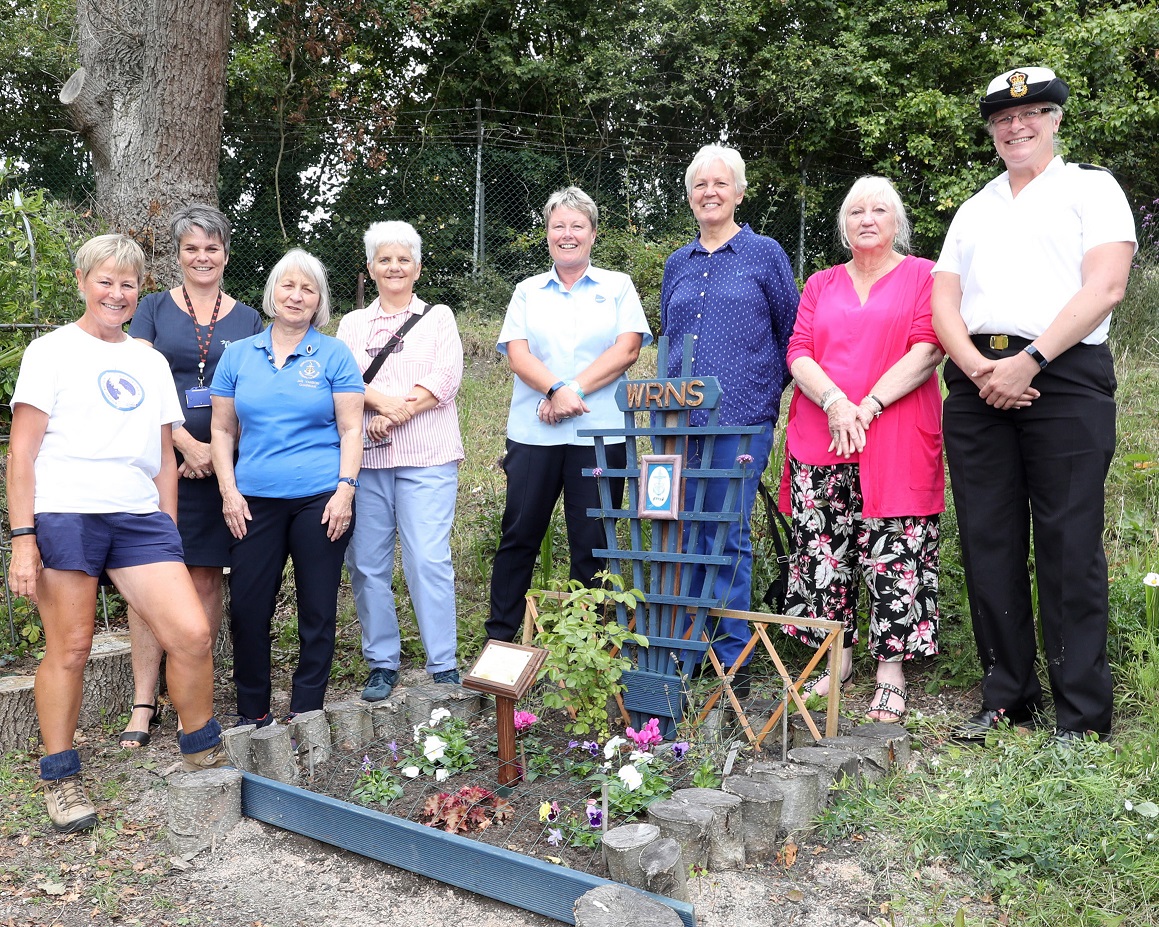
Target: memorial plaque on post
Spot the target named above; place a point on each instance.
(660, 489)
(506, 671)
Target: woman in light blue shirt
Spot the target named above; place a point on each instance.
(569, 335)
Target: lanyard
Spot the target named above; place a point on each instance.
(202, 347)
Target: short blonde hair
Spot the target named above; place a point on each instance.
(572, 198)
(125, 253)
(306, 263)
(709, 153)
(871, 189)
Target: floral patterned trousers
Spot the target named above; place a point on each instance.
(833, 542)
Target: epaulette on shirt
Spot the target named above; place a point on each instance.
(1093, 167)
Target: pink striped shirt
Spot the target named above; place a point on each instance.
(431, 356)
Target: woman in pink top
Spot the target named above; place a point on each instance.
(863, 471)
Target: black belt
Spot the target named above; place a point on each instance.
(1000, 342)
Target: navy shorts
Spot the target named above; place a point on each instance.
(93, 543)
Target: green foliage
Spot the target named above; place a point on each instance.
(376, 786)
(626, 797)
(579, 638)
(705, 776)
(1052, 830)
(442, 748)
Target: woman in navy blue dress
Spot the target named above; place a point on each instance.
(190, 325)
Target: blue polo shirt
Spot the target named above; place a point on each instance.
(289, 444)
(739, 303)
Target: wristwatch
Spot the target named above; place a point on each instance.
(349, 480)
(1037, 355)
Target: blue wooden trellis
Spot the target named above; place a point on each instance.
(673, 616)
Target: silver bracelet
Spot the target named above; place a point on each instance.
(830, 396)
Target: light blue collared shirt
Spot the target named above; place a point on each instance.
(567, 330)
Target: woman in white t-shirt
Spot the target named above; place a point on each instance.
(92, 491)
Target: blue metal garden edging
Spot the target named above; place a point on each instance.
(509, 877)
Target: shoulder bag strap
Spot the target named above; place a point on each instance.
(388, 349)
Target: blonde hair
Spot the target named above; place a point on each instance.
(306, 263)
(125, 254)
(871, 189)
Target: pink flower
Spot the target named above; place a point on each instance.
(597, 471)
(649, 735)
(524, 720)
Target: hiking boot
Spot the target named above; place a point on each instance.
(447, 677)
(68, 805)
(212, 758)
(380, 684)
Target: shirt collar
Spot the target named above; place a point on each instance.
(308, 345)
(736, 243)
(417, 306)
(552, 278)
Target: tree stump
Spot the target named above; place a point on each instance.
(388, 718)
(274, 754)
(618, 906)
(726, 835)
(239, 748)
(761, 810)
(874, 755)
(203, 806)
(310, 733)
(831, 765)
(664, 870)
(18, 724)
(896, 738)
(687, 824)
(622, 848)
(799, 785)
(108, 685)
(422, 700)
(350, 726)
(801, 736)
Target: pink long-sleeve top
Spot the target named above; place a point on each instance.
(901, 465)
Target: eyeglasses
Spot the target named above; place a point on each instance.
(1026, 117)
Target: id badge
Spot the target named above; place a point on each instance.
(197, 397)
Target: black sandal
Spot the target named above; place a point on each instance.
(140, 738)
(845, 681)
(882, 704)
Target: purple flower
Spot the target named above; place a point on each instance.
(597, 471)
(595, 815)
(592, 747)
(555, 836)
(744, 459)
(393, 748)
(367, 764)
(572, 744)
(679, 749)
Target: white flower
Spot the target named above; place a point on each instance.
(419, 728)
(439, 714)
(630, 776)
(411, 772)
(612, 746)
(441, 775)
(1129, 805)
(640, 756)
(433, 748)
(1151, 579)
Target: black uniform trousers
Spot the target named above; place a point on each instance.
(1045, 466)
(281, 529)
(536, 474)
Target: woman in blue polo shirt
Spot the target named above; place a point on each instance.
(295, 397)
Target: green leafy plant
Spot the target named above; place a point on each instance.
(376, 786)
(582, 643)
(441, 749)
(705, 776)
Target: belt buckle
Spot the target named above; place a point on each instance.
(999, 342)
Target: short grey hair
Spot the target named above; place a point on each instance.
(572, 198)
(709, 153)
(393, 233)
(125, 254)
(872, 189)
(297, 259)
(211, 221)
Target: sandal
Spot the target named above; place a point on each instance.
(845, 681)
(882, 704)
(132, 740)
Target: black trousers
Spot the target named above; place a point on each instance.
(535, 477)
(1043, 466)
(284, 528)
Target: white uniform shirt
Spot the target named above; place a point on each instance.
(567, 330)
(1020, 258)
(106, 404)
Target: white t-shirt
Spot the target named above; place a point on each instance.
(1020, 258)
(106, 405)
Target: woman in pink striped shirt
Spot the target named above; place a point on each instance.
(410, 465)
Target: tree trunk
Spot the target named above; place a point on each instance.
(148, 99)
